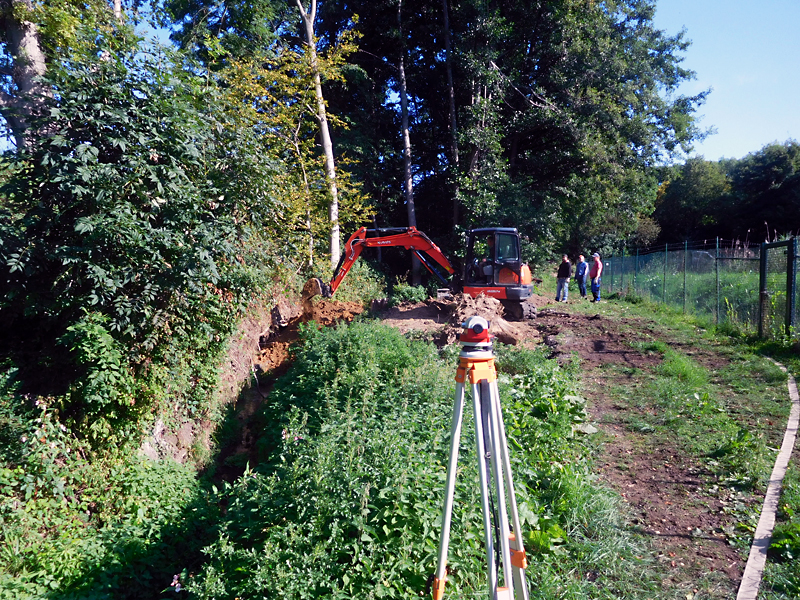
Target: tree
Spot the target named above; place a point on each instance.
(273, 99)
(33, 35)
(309, 17)
(688, 201)
(765, 192)
(121, 239)
(22, 94)
(562, 110)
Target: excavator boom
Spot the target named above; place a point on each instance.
(410, 238)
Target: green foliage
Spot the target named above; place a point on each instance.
(72, 520)
(355, 440)
(364, 283)
(404, 292)
(744, 198)
(103, 398)
(122, 234)
(786, 541)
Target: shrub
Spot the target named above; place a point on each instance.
(404, 292)
(364, 283)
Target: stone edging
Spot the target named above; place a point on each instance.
(751, 580)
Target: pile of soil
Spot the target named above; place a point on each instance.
(443, 319)
(274, 348)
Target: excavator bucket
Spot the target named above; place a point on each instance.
(313, 287)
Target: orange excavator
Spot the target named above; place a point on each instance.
(493, 264)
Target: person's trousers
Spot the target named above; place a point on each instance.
(562, 289)
(596, 288)
(581, 286)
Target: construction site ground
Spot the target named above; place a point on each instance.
(668, 493)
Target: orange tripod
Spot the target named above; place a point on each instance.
(476, 365)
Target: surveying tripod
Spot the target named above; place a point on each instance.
(476, 365)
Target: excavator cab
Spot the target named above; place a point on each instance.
(494, 265)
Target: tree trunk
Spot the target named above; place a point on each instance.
(452, 98)
(408, 186)
(324, 131)
(29, 66)
(118, 10)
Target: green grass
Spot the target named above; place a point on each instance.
(731, 417)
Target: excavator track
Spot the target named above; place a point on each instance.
(519, 311)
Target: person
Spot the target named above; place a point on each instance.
(487, 264)
(595, 271)
(581, 271)
(562, 278)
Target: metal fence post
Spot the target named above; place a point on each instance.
(791, 278)
(635, 270)
(716, 268)
(664, 284)
(685, 252)
(611, 266)
(762, 289)
(622, 273)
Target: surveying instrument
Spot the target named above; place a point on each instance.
(503, 546)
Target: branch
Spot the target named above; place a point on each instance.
(546, 104)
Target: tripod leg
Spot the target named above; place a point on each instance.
(483, 476)
(520, 584)
(444, 540)
(495, 455)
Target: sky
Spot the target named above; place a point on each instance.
(748, 53)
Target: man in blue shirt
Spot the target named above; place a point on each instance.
(581, 270)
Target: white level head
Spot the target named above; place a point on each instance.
(476, 324)
(475, 336)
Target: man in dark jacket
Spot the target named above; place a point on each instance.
(562, 278)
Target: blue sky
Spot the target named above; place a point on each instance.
(748, 53)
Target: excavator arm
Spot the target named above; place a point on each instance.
(410, 238)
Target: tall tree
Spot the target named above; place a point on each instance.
(451, 97)
(32, 35)
(408, 177)
(309, 18)
(22, 94)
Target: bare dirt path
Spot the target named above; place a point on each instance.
(667, 491)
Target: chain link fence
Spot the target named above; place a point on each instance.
(753, 287)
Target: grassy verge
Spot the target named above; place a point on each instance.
(347, 500)
(717, 396)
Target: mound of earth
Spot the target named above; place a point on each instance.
(443, 319)
(274, 348)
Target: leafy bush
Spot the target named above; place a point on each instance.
(71, 520)
(364, 283)
(404, 292)
(348, 499)
(122, 240)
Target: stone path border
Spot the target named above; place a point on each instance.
(751, 580)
